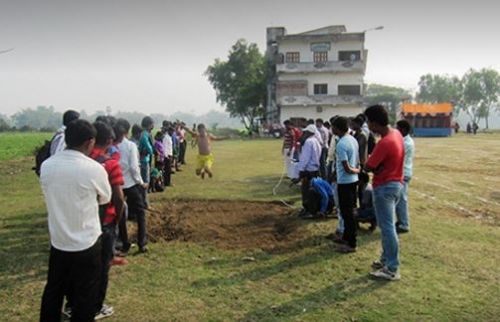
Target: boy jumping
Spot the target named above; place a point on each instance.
(205, 158)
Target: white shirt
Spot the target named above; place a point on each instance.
(323, 131)
(129, 162)
(58, 144)
(74, 185)
(167, 142)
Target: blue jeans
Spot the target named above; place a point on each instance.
(340, 223)
(385, 198)
(402, 213)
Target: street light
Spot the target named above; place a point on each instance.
(375, 28)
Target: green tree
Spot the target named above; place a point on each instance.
(440, 89)
(481, 93)
(240, 83)
(41, 117)
(389, 96)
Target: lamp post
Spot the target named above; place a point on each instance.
(374, 28)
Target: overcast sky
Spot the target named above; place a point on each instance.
(150, 55)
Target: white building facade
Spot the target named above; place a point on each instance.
(315, 74)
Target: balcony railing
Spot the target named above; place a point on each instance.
(330, 66)
(320, 100)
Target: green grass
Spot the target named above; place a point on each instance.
(449, 269)
(16, 144)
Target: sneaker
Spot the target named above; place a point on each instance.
(400, 230)
(376, 265)
(105, 312)
(345, 249)
(67, 312)
(385, 274)
(143, 250)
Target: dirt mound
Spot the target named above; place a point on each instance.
(227, 224)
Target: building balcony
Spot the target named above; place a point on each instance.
(314, 100)
(357, 66)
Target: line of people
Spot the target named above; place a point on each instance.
(96, 178)
(332, 163)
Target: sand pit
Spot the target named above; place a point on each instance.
(226, 224)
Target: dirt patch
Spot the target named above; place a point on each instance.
(227, 224)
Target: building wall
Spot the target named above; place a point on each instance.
(306, 55)
(333, 80)
(310, 112)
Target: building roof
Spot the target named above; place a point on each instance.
(334, 29)
(445, 108)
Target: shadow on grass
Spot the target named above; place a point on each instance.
(326, 297)
(24, 249)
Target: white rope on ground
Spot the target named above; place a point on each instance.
(278, 184)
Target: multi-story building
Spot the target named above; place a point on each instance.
(315, 74)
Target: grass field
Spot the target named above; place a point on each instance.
(450, 260)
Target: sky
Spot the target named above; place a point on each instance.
(150, 56)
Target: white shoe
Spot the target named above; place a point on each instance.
(105, 312)
(385, 274)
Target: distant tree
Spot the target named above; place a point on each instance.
(240, 83)
(389, 96)
(440, 89)
(481, 93)
(41, 117)
(4, 125)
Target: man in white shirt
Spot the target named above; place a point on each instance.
(133, 188)
(323, 131)
(74, 186)
(169, 152)
(58, 144)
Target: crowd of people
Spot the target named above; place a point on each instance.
(96, 177)
(332, 162)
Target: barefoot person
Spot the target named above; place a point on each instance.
(205, 156)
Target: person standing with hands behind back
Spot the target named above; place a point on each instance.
(347, 168)
(74, 186)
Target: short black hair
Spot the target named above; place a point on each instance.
(77, 132)
(310, 121)
(358, 120)
(287, 122)
(121, 128)
(147, 121)
(70, 116)
(136, 130)
(377, 114)
(405, 126)
(341, 123)
(319, 121)
(104, 133)
(124, 123)
(159, 135)
(361, 116)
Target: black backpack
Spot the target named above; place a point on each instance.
(42, 153)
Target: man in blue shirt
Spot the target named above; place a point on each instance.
(308, 165)
(402, 213)
(347, 168)
(322, 197)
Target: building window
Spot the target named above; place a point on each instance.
(349, 90)
(320, 56)
(349, 55)
(320, 89)
(293, 57)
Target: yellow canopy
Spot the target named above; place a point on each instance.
(445, 108)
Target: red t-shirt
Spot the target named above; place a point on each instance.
(115, 177)
(388, 154)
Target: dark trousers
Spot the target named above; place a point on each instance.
(182, 152)
(122, 231)
(347, 203)
(107, 253)
(305, 185)
(323, 171)
(136, 206)
(79, 271)
(167, 172)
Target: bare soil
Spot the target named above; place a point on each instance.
(227, 224)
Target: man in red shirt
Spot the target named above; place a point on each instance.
(386, 163)
(111, 212)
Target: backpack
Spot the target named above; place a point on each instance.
(42, 153)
